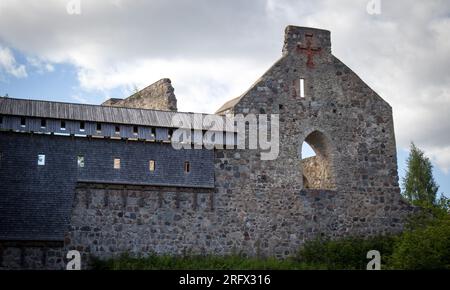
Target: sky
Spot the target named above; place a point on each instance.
(88, 51)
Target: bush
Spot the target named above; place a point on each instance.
(424, 247)
(349, 253)
(208, 262)
(345, 253)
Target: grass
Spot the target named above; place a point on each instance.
(322, 254)
(208, 262)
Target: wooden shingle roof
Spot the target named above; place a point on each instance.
(97, 113)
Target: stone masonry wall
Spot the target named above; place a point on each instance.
(157, 96)
(109, 222)
(357, 140)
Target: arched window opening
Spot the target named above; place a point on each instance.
(317, 165)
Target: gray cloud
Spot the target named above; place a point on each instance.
(8, 64)
(136, 29)
(214, 50)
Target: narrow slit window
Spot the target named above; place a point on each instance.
(82, 126)
(187, 167)
(117, 130)
(116, 163)
(135, 130)
(80, 161)
(23, 121)
(43, 123)
(192, 136)
(151, 165)
(63, 125)
(41, 159)
(153, 132)
(99, 127)
(170, 133)
(302, 88)
(1, 119)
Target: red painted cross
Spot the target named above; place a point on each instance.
(309, 50)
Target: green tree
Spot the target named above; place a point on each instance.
(424, 247)
(418, 184)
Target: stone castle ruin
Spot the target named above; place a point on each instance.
(105, 180)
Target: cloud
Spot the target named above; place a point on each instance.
(441, 156)
(214, 50)
(39, 65)
(9, 65)
(202, 84)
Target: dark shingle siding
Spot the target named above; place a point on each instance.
(35, 201)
